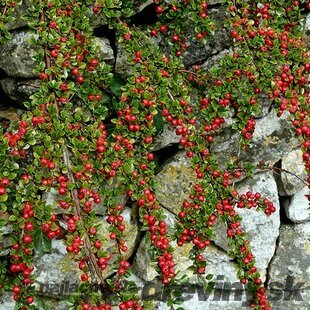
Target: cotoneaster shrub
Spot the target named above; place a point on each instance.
(85, 128)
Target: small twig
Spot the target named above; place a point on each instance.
(279, 170)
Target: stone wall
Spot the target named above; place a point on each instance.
(280, 242)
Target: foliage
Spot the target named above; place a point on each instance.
(89, 136)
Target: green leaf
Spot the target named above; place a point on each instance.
(158, 123)
(116, 83)
(42, 243)
(3, 198)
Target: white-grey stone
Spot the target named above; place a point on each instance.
(293, 164)
(105, 50)
(221, 40)
(166, 138)
(51, 196)
(307, 23)
(215, 59)
(289, 271)
(6, 301)
(122, 64)
(5, 240)
(219, 264)
(16, 56)
(19, 13)
(176, 180)
(297, 210)
(56, 274)
(272, 140)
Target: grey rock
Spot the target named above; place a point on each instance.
(6, 301)
(289, 271)
(218, 263)
(16, 60)
(294, 166)
(297, 210)
(96, 20)
(51, 197)
(211, 303)
(16, 56)
(122, 64)
(5, 246)
(56, 274)
(307, 23)
(105, 50)
(220, 41)
(175, 181)
(214, 60)
(213, 2)
(166, 138)
(272, 140)
(19, 91)
(5, 240)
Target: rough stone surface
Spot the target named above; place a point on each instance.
(52, 196)
(11, 114)
(6, 301)
(56, 273)
(175, 182)
(289, 270)
(16, 56)
(130, 233)
(219, 264)
(292, 163)
(16, 60)
(272, 139)
(19, 91)
(122, 65)
(221, 40)
(105, 50)
(297, 210)
(5, 242)
(307, 23)
(166, 138)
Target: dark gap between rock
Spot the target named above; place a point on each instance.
(147, 16)
(166, 153)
